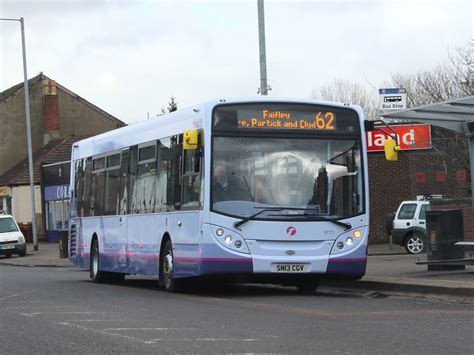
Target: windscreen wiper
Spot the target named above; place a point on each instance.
(319, 218)
(335, 221)
(308, 215)
(252, 216)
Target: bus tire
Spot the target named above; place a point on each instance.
(169, 282)
(307, 287)
(96, 274)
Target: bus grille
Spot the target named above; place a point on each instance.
(72, 240)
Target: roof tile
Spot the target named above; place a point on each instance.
(57, 150)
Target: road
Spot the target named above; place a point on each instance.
(58, 310)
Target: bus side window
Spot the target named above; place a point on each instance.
(123, 197)
(79, 185)
(145, 186)
(161, 176)
(98, 186)
(112, 184)
(86, 192)
(133, 204)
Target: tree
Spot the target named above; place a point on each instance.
(351, 93)
(451, 79)
(172, 105)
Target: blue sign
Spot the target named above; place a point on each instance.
(56, 192)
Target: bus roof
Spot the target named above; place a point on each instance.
(173, 123)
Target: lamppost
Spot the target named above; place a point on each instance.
(264, 87)
(28, 130)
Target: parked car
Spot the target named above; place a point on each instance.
(12, 240)
(407, 226)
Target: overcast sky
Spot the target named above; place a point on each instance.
(129, 57)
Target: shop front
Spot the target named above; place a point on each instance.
(56, 199)
(55, 185)
(5, 200)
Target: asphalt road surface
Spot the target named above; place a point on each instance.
(58, 310)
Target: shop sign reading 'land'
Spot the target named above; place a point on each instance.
(410, 137)
(271, 119)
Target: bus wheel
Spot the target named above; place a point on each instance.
(166, 270)
(307, 287)
(96, 275)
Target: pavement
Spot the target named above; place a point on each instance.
(389, 269)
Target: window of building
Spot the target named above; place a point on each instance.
(57, 215)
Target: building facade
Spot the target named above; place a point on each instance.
(440, 169)
(59, 117)
(55, 112)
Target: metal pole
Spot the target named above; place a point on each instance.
(470, 140)
(263, 57)
(28, 131)
(28, 134)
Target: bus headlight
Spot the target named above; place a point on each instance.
(349, 240)
(229, 239)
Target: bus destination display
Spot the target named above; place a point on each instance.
(271, 119)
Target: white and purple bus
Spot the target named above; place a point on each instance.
(258, 190)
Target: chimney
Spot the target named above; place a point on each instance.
(50, 111)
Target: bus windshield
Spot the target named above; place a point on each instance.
(310, 174)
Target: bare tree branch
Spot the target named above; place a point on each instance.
(351, 93)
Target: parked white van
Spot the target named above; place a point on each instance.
(12, 240)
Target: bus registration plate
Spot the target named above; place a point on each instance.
(293, 268)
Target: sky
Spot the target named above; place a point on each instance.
(129, 57)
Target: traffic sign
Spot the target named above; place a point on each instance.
(392, 100)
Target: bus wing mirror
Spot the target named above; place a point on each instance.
(391, 150)
(369, 125)
(191, 138)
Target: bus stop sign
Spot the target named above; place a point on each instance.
(392, 100)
